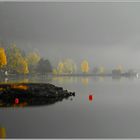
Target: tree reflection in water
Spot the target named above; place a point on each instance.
(2, 132)
(85, 81)
(32, 102)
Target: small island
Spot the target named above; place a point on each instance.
(31, 94)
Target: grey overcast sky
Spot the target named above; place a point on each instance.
(102, 32)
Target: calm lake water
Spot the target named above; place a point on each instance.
(114, 111)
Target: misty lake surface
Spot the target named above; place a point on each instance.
(114, 111)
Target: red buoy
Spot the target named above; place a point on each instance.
(90, 97)
(16, 100)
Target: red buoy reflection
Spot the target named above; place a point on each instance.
(91, 97)
(16, 101)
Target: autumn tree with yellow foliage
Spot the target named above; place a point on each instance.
(85, 66)
(60, 68)
(32, 59)
(22, 66)
(54, 71)
(67, 66)
(101, 70)
(16, 63)
(3, 58)
(120, 68)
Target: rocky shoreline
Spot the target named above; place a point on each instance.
(31, 94)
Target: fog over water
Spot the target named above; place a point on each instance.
(104, 33)
(104, 105)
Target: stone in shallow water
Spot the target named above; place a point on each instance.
(31, 94)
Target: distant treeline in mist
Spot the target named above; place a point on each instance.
(15, 60)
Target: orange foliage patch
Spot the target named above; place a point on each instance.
(23, 87)
(23, 104)
(1, 89)
(20, 105)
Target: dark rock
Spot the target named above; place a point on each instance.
(31, 94)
